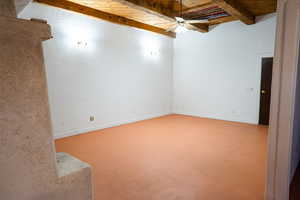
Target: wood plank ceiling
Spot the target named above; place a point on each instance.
(158, 15)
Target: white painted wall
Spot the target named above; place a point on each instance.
(121, 75)
(217, 75)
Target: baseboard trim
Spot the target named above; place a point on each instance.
(73, 132)
(192, 114)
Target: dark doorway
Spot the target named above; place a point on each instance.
(265, 91)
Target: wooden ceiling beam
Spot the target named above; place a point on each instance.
(104, 15)
(212, 21)
(198, 8)
(150, 7)
(235, 9)
(159, 10)
(202, 28)
(222, 20)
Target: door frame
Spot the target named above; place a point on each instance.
(283, 100)
(260, 56)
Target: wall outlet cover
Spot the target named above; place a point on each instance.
(92, 118)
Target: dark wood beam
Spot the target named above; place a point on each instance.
(234, 8)
(104, 15)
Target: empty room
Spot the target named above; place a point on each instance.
(149, 100)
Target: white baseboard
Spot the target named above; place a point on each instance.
(96, 127)
(193, 114)
(72, 132)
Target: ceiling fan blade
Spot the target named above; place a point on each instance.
(165, 23)
(197, 21)
(172, 28)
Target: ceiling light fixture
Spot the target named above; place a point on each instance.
(182, 25)
(180, 29)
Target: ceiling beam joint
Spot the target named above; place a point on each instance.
(235, 9)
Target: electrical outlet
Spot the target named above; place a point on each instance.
(92, 118)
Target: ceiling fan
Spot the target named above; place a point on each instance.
(182, 25)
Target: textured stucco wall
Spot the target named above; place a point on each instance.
(28, 166)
